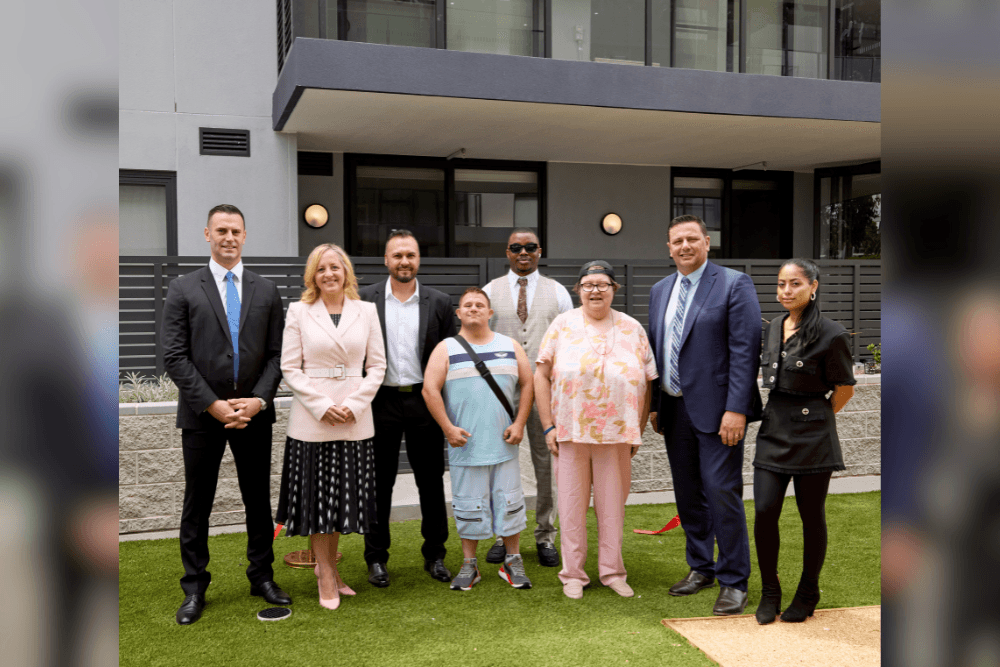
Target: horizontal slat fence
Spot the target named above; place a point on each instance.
(850, 291)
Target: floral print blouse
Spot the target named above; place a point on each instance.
(598, 380)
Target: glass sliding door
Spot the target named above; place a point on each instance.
(411, 23)
(455, 208)
(702, 197)
(703, 34)
(488, 205)
(858, 40)
(607, 31)
(508, 27)
(849, 215)
(388, 198)
(787, 37)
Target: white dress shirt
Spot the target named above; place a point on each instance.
(219, 273)
(402, 333)
(563, 299)
(668, 318)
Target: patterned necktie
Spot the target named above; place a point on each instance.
(676, 328)
(522, 300)
(233, 316)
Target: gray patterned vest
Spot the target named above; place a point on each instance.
(541, 311)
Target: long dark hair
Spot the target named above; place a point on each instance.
(810, 323)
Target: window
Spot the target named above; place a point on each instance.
(748, 213)
(858, 40)
(509, 27)
(455, 208)
(147, 213)
(849, 212)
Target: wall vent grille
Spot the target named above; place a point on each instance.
(218, 141)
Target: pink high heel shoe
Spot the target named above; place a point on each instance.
(342, 588)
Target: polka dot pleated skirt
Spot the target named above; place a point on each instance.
(327, 487)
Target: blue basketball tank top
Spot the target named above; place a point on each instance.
(472, 405)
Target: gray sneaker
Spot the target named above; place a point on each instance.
(513, 573)
(466, 578)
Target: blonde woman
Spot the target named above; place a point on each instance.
(327, 483)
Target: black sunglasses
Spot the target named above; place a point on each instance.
(517, 247)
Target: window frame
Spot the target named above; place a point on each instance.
(863, 169)
(354, 160)
(166, 179)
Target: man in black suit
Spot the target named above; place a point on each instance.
(221, 338)
(414, 318)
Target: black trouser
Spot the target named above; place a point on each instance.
(203, 451)
(810, 496)
(397, 413)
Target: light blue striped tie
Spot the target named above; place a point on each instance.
(233, 316)
(676, 328)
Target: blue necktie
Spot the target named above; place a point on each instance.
(233, 316)
(676, 328)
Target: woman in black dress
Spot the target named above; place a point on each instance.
(807, 367)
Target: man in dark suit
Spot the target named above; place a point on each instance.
(704, 325)
(414, 318)
(221, 338)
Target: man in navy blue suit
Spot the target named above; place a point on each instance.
(704, 325)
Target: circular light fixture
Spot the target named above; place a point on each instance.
(316, 215)
(611, 224)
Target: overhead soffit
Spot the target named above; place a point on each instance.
(365, 122)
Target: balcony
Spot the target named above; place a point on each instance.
(819, 39)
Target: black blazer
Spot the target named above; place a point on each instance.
(437, 317)
(198, 350)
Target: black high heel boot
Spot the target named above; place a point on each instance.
(803, 605)
(770, 603)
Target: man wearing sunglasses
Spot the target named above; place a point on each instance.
(524, 304)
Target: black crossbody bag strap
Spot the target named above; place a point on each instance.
(485, 372)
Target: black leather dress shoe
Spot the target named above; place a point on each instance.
(691, 584)
(438, 570)
(548, 555)
(731, 602)
(271, 592)
(190, 610)
(378, 575)
(497, 552)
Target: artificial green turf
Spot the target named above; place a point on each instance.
(419, 621)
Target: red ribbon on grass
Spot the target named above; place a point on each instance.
(673, 523)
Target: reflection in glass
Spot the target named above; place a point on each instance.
(607, 31)
(392, 197)
(858, 40)
(410, 23)
(850, 217)
(701, 197)
(142, 220)
(705, 34)
(787, 37)
(495, 26)
(489, 204)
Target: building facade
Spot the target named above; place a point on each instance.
(460, 119)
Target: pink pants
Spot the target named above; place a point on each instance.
(609, 469)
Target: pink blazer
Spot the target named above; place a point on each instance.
(311, 341)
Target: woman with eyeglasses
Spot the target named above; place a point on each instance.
(592, 390)
(808, 368)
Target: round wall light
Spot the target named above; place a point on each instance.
(611, 224)
(316, 215)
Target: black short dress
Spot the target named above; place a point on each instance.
(798, 432)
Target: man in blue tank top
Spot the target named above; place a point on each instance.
(485, 475)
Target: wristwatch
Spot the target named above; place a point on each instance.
(263, 403)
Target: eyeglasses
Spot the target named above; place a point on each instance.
(590, 287)
(516, 248)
